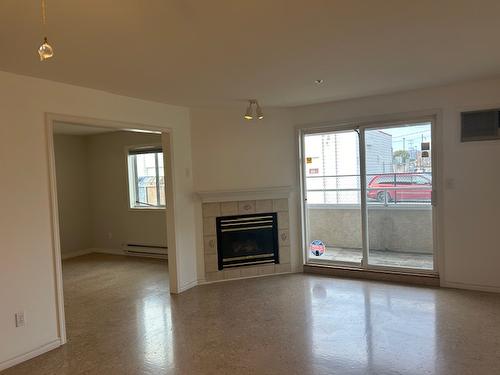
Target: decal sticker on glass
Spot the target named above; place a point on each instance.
(317, 248)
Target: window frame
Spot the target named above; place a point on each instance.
(132, 178)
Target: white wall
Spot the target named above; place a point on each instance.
(27, 279)
(230, 153)
(73, 193)
(113, 223)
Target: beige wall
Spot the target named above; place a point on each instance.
(73, 193)
(27, 273)
(113, 223)
(261, 154)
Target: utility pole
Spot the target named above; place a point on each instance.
(404, 157)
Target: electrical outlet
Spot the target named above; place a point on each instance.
(19, 319)
(110, 235)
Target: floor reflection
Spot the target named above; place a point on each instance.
(156, 332)
(122, 320)
(366, 328)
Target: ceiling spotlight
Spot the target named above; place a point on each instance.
(319, 81)
(45, 51)
(249, 112)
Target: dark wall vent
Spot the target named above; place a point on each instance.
(480, 125)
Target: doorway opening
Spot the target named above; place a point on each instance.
(369, 197)
(110, 195)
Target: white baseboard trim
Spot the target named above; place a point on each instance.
(205, 282)
(477, 287)
(32, 354)
(99, 250)
(188, 286)
(74, 254)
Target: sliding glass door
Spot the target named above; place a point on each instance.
(333, 197)
(399, 196)
(368, 197)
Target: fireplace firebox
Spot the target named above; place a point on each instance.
(247, 239)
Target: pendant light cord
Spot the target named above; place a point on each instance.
(44, 9)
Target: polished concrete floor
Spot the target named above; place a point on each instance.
(121, 320)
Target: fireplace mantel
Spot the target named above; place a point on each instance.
(277, 192)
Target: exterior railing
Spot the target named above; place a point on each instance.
(348, 192)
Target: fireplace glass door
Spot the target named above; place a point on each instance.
(247, 240)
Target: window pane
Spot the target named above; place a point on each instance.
(401, 237)
(145, 179)
(162, 191)
(332, 168)
(146, 176)
(333, 184)
(161, 171)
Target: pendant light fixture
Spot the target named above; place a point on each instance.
(45, 51)
(249, 112)
(258, 111)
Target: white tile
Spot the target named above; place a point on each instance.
(279, 268)
(232, 273)
(283, 221)
(249, 271)
(229, 208)
(210, 244)
(246, 207)
(214, 276)
(211, 209)
(268, 269)
(211, 263)
(263, 206)
(284, 254)
(284, 237)
(280, 205)
(209, 226)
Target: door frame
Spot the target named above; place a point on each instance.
(167, 145)
(433, 116)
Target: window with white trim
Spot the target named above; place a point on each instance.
(146, 178)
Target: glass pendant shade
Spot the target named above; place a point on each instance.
(260, 114)
(248, 113)
(45, 50)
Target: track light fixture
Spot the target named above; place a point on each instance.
(249, 113)
(45, 51)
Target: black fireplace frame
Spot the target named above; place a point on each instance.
(274, 258)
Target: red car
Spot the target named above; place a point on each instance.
(399, 187)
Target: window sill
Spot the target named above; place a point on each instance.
(147, 209)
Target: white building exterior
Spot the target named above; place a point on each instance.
(332, 164)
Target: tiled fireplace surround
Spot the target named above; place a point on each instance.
(211, 210)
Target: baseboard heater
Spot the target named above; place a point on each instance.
(156, 251)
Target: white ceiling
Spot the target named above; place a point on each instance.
(219, 52)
